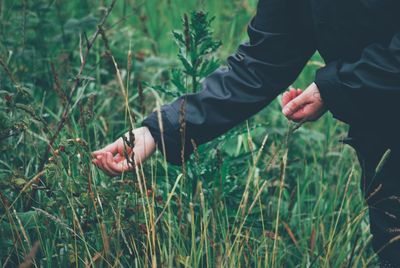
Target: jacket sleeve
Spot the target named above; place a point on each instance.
(280, 44)
(365, 93)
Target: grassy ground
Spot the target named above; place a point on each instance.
(263, 195)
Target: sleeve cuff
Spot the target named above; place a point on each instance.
(170, 136)
(334, 96)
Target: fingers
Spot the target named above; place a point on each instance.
(107, 161)
(104, 162)
(293, 93)
(114, 148)
(286, 98)
(310, 112)
(299, 92)
(290, 95)
(296, 104)
(299, 115)
(292, 107)
(118, 158)
(308, 105)
(307, 112)
(97, 161)
(112, 158)
(112, 165)
(119, 167)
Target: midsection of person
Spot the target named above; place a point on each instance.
(343, 28)
(361, 38)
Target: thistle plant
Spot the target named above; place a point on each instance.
(196, 51)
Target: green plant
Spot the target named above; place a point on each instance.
(260, 195)
(196, 47)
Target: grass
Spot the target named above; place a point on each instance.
(266, 194)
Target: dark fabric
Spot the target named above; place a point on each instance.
(358, 39)
(381, 189)
(387, 264)
(281, 42)
(365, 93)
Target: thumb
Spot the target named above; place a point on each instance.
(295, 105)
(302, 114)
(109, 148)
(114, 148)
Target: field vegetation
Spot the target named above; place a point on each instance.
(76, 75)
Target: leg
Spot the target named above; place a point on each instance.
(382, 193)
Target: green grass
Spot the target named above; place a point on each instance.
(262, 195)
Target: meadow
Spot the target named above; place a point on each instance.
(75, 75)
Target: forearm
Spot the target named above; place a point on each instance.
(256, 74)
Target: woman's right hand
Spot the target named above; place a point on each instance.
(112, 158)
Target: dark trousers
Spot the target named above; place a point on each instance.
(381, 189)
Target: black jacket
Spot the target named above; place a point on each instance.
(360, 84)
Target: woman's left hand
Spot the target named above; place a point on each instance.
(303, 106)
